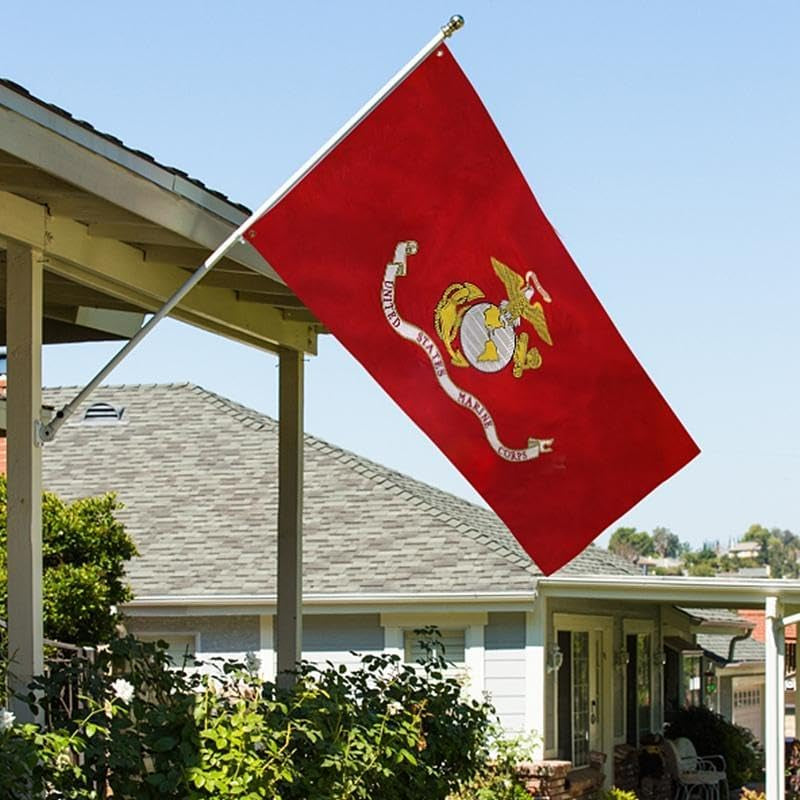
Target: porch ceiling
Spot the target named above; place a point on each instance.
(120, 232)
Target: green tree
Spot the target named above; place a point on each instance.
(84, 549)
(778, 549)
(703, 563)
(666, 543)
(630, 543)
(760, 535)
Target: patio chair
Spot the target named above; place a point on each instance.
(695, 776)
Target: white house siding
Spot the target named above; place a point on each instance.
(334, 638)
(216, 636)
(504, 643)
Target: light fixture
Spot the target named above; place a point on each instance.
(659, 659)
(622, 658)
(555, 658)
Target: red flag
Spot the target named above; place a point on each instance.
(418, 243)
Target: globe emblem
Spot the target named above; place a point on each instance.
(487, 339)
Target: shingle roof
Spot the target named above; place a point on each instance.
(198, 476)
(719, 615)
(745, 651)
(23, 92)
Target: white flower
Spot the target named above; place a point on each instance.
(123, 690)
(393, 707)
(6, 719)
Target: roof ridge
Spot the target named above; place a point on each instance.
(354, 460)
(387, 474)
(242, 413)
(148, 385)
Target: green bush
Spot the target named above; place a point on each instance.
(145, 731)
(618, 794)
(84, 550)
(497, 778)
(712, 734)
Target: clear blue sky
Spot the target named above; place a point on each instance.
(661, 139)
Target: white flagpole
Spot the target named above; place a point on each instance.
(47, 432)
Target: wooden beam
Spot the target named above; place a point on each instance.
(121, 324)
(138, 232)
(24, 337)
(281, 300)
(119, 270)
(299, 315)
(290, 515)
(191, 257)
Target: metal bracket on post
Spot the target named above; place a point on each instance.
(38, 433)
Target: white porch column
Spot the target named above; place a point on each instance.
(290, 514)
(774, 701)
(24, 339)
(266, 650)
(535, 672)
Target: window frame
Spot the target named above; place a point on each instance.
(154, 636)
(641, 627)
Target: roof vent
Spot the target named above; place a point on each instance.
(100, 413)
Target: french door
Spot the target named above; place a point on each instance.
(581, 717)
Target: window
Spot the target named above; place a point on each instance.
(639, 686)
(182, 646)
(692, 680)
(450, 644)
(791, 657)
(745, 698)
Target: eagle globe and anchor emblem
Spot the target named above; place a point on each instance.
(488, 332)
(480, 334)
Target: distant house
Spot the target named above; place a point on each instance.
(650, 564)
(745, 550)
(591, 658)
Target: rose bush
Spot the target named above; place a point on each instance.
(146, 730)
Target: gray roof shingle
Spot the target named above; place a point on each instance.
(723, 616)
(197, 474)
(745, 650)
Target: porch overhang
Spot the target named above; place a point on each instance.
(679, 591)
(118, 233)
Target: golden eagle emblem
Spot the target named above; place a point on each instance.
(487, 333)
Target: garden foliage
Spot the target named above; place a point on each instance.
(385, 730)
(84, 550)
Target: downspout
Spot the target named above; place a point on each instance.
(735, 639)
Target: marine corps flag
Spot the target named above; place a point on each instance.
(418, 243)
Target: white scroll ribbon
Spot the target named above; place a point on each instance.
(412, 333)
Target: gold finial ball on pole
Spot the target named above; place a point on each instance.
(456, 22)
